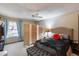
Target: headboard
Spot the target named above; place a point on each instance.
(64, 30)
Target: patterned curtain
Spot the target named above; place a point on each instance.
(19, 26)
(5, 27)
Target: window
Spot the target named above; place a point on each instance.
(12, 29)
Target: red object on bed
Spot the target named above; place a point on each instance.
(56, 36)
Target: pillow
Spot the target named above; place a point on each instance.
(45, 36)
(56, 36)
(50, 34)
(65, 36)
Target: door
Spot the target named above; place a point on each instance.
(26, 34)
(34, 33)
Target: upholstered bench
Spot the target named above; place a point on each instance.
(40, 50)
(34, 51)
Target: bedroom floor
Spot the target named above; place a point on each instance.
(17, 49)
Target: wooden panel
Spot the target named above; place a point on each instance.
(40, 30)
(26, 34)
(34, 33)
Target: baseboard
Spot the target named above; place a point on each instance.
(13, 42)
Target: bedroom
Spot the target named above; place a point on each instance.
(34, 19)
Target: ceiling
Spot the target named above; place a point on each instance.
(46, 10)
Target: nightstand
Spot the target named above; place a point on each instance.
(75, 48)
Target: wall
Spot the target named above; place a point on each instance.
(67, 20)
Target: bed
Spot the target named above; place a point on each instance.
(65, 30)
(60, 30)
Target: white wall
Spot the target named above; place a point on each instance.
(67, 20)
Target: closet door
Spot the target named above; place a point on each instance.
(34, 33)
(40, 31)
(26, 34)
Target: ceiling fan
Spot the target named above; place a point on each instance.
(36, 15)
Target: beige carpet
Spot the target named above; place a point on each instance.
(16, 49)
